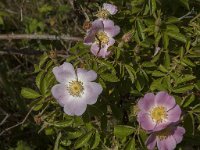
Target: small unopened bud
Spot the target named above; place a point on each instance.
(38, 119)
(127, 37)
(53, 54)
(87, 25)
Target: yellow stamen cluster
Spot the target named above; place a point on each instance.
(103, 14)
(102, 37)
(75, 88)
(158, 114)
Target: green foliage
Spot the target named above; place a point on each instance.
(133, 69)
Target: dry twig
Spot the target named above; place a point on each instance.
(38, 37)
(18, 124)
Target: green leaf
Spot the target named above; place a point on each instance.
(153, 6)
(172, 20)
(107, 64)
(188, 100)
(122, 131)
(109, 77)
(185, 78)
(147, 64)
(183, 89)
(172, 28)
(63, 124)
(140, 28)
(165, 40)
(157, 84)
(177, 36)
(131, 72)
(74, 135)
(49, 131)
(181, 52)
(80, 142)
(45, 8)
(189, 123)
(39, 78)
(130, 145)
(167, 60)
(158, 74)
(38, 107)
(43, 59)
(96, 140)
(188, 62)
(142, 138)
(29, 93)
(44, 86)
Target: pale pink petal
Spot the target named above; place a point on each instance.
(161, 144)
(111, 41)
(64, 73)
(178, 134)
(169, 143)
(166, 100)
(147, 102)
(75, 107)
(60, 93)
(112, 9)
(174, 114)
(84, 75)
(161, 126)
(90, 38)
(91, 92)
(111, 29)
(99, 52)
(151, 142)
(97, 25)
(145, 121)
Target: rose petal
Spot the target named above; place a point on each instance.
(60, 93)
(145, 121)
(111, 29)
(99, 52)
(161, 126)
(174, 114)
(91, 92)
(97, 25)
(111, 41)
(75, 107)
(161, 144)
(170, 143)
(84, 75)
(178, 134)
(147, 102)
(151, 142)
(64, 73)
(164, 99)
(112, 9)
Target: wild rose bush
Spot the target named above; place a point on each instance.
(132, 82)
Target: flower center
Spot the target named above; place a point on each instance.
(102, 37)
(103, 14)
(75, 88)
(158, 114)
(163, 134)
